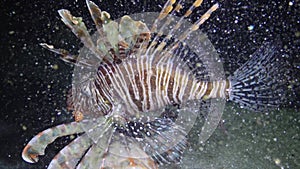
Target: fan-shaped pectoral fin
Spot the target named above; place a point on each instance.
(71, 155)
(121, 152)
(38, 144)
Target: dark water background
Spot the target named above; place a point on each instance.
(34, 82)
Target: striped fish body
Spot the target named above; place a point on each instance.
(142, 86)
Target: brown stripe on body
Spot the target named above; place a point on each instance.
(217, 89)
(138, 103)
(182, 85)
(187, 89)
(139, 87)
(227, 88)
(99, 87)
(134, 83)
(162, 85)
(179, 87)
(103, 74)
(146, 73)
(168, 86)
(105, 70)
(208, 90)
(153, 86)
(126, 78)
(170, 89)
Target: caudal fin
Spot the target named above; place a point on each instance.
(261, 82)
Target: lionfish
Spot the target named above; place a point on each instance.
(132, 85)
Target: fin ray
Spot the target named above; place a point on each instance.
(261, 82)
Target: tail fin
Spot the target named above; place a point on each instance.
(260, 83)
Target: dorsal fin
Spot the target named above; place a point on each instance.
(177, 9)
(188, 31)
(79, 29)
